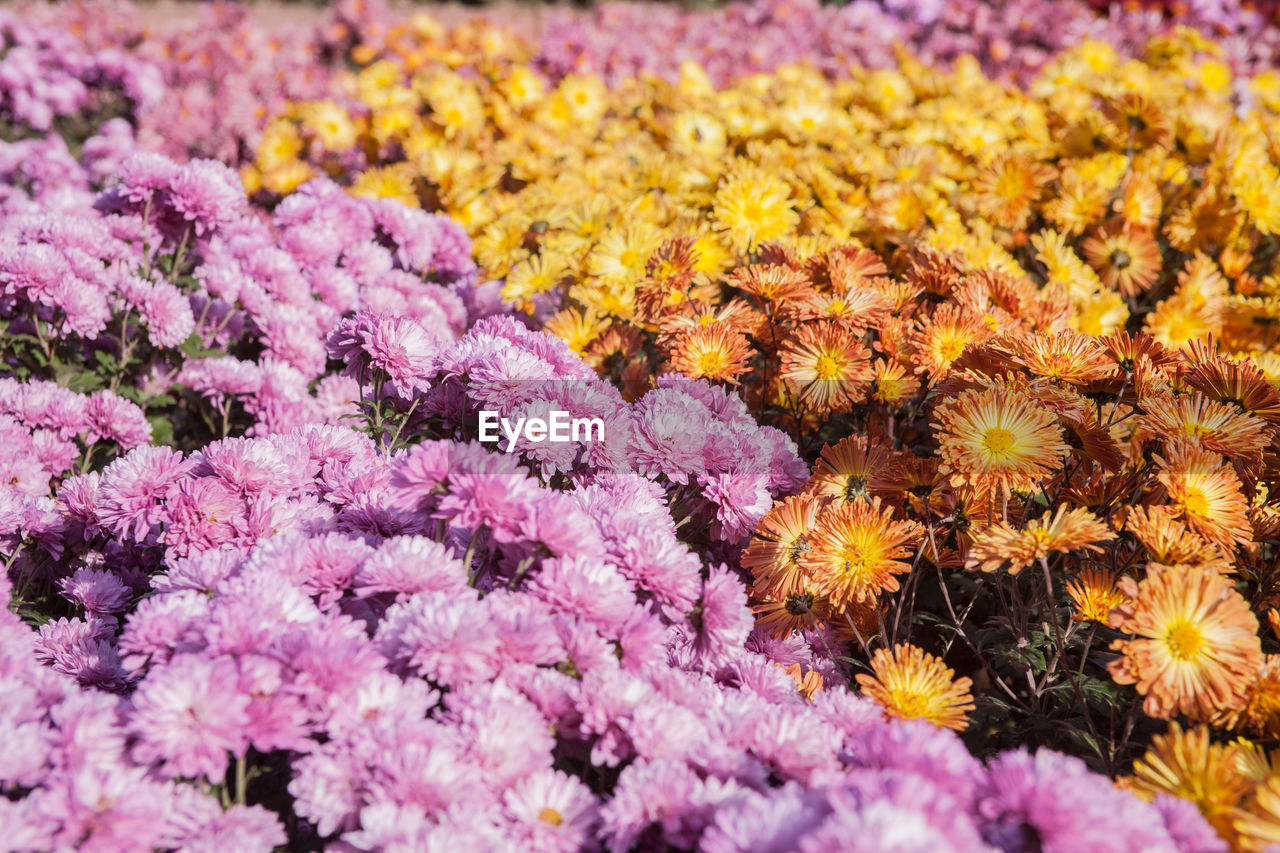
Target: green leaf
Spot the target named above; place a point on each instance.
(161, 430)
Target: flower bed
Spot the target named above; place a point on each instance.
(926, 492)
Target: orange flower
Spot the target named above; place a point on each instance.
(807, 683)
(844, 469)
(1127, 350)
(1065, 530)
(1195, 643)
(941, 336)
(770, 282)
(1240, 383)
(856, 308)
(1066, 356)
(891, 384)
(780, 540)
(1127, 259)
(828, 365)
(1207, 492)
(783, 615)
(1260, 713)
(1166, 539)
(1220, 427)
(711, 352)
(1258, 824)
(1188, 764)
(1094, 594)
(998, 437)
(912, 684)
(857, 548)
(1006, 190)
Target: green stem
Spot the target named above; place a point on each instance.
(242, 778)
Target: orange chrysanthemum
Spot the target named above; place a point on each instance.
(1220, 427)
(711, 352)
(1195, 643)
(1067, 529)
(891, 384)
(857, 548)
(1258, 823)
(1066, 356)
(1006, 190)
(942, 336)
(1207, 492)
(1260, 713)
(827, 365)
(1188, 764)
(1093, 595)
(1166, 539)
(807, 683)
(1127, 350)
(911, 684)
(845, 468)
(780, 540)
(1126, 258)
(1239, 383)
(856, 308)
(770, 282)
(998, 437)
(783, 615)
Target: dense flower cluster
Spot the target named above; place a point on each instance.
(1011, 38)
(929, 491)
(410, 648)
(180, 297)
(50, 79)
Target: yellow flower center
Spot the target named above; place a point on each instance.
(909, 704)
(1195, 503)
(551, 816)
(1184, 640)
(753, 212)
(998, 441)
(949, 348)
(711, 361)
(827, 367)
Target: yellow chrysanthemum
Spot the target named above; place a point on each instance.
(911, 684)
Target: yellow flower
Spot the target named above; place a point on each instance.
(394, 182)
(330, 124)
(753, 207)
(531, 277)
(281, 145)
(911, 684)
(576, 328)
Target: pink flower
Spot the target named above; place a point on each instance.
(407, 565)
(188, 716)
(117, 419)
(133, 487)
(167, 313)
(553, 811)
(741, 500)
(207, 194)
(202, 514)
(96, 591)
(722, 621)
